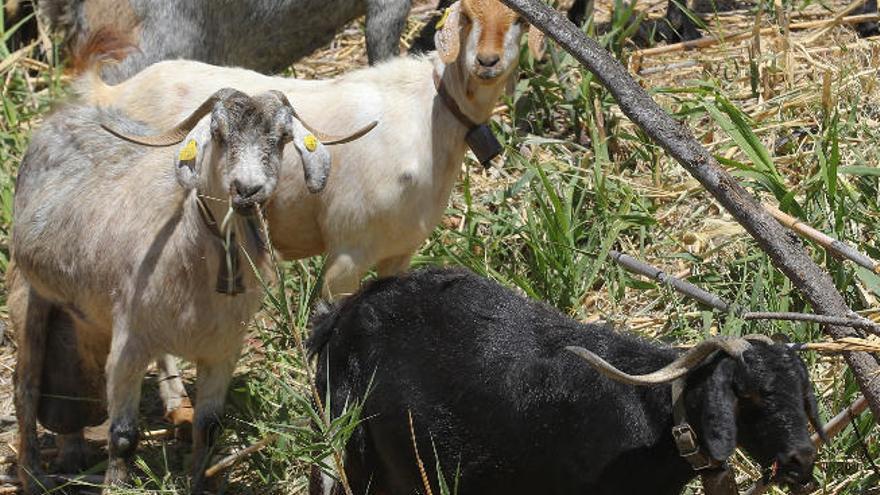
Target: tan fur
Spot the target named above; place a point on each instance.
(117, 15)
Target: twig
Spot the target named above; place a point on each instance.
(668, 67)
(421, 465)
(75, 479)
(744, 35)
(833, 245)
(862, 323)
(655, 273)
(711, 300)
(831, 429)
(233, 458)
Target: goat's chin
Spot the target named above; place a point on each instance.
(488, 77)
(796, 482)
(246, 208)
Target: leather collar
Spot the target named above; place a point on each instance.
(230, 280)
(479, 137)
(715, 475)
(451, 104)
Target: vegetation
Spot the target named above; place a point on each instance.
(794, 116)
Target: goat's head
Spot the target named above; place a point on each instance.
(233, 145)
(483, 37)
(754, 393)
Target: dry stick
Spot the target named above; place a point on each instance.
(712, 40)
(678, 284)
(831, 429)
(711, 300)
(834, 21)
(231, 459)
(836, 247)
(783, 250)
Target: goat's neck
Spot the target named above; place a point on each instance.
(475, 99)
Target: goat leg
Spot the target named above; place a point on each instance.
(178, 408)
(342, 274)
(212, 383)
(385, 20)
(126, 366)
(72, 453)
(29, 313)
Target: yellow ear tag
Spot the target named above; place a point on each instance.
(310, 142)
(442, 20)
(188, 152)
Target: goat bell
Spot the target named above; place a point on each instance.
(483, 143)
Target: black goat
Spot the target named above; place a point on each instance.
(493, 391)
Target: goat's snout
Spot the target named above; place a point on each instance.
(245, 190)
(246, 193)
(796, 467)
(488, 61)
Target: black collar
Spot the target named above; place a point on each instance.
(479, 137)
(716, 476)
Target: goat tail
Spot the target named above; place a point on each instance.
(101, 47)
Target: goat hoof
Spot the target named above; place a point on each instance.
(72, 454)
(116, 475)
(182, 419)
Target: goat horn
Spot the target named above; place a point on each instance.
(177, 133)
(326, 139)
(676, 369)
(760, 338)
(331, 139)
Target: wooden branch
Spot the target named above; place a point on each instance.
(831, 429)
(678, 284)
(837, 248)
(233, 458)
(711, 300)
(707, 41)
(783, 249)
(863, 323)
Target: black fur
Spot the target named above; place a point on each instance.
(490, 387)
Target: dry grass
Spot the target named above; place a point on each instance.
(809, 97)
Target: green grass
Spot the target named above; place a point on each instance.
(576, 180)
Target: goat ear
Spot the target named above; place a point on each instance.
(315, 156)
(537, 43)
(718, 421)
(191, 154)
(446, 39)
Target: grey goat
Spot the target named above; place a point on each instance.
(140, 249)
(263, 35)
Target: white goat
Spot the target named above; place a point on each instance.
(106, 240)
(389, 189)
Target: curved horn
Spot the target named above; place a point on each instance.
(757, 337)
(326, 139)
(177, 133)
(676, 369)
(331, 139)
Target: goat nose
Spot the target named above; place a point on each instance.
(245, 190)
(803, 456)
(488, 60)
